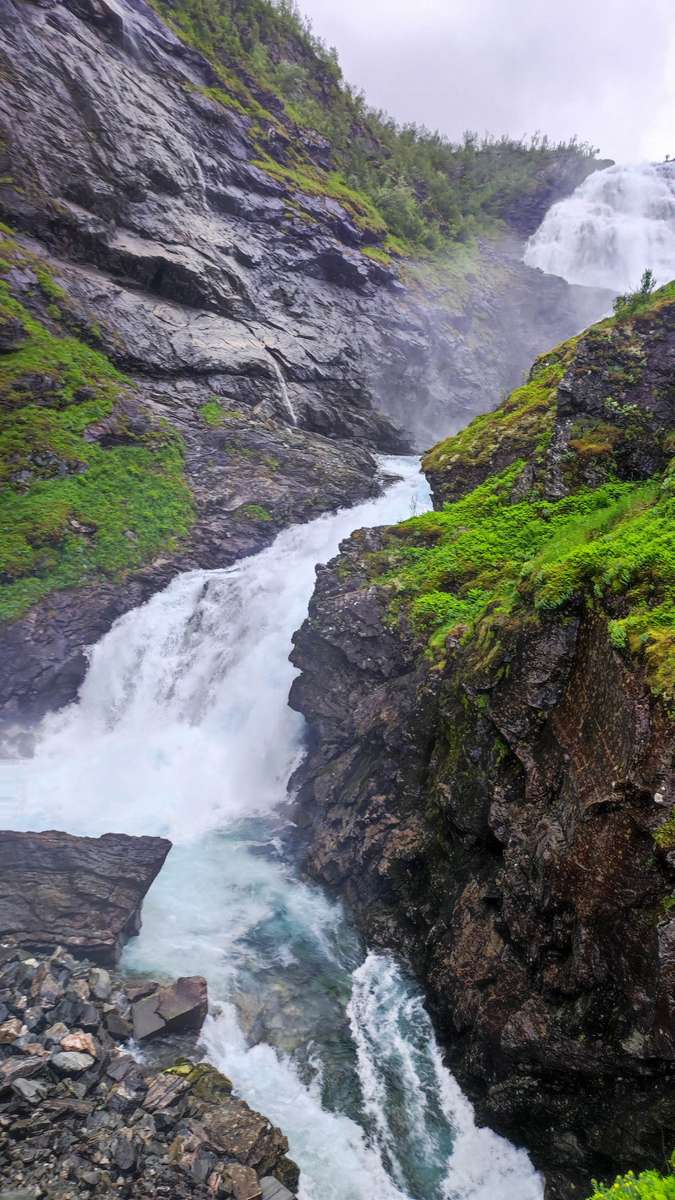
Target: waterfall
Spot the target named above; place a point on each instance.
(283, 389)
(182, 728)
(618, 222)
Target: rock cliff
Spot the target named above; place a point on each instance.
(176, 306)
(81, 893)
(489, 777)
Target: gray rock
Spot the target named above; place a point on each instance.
(179, 1008)
(29, 1090)
(100, 984)
(83, 893)
(71, 1062)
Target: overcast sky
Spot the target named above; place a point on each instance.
(603, 69)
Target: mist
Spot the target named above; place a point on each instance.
(601, 69)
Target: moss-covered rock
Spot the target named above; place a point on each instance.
(90, 490)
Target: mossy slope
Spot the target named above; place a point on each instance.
(568, 510)
(91, 487)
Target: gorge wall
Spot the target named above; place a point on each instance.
(489, 777)
(168, 303)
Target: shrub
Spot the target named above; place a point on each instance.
(632, 302)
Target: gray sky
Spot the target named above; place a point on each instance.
(603, 69)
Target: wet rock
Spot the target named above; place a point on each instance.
(179, 1008)
(100, 984)
(81, 893)
(72, 1063)
(82, 1043)
(10, 1030)
(243, 1183)
(76, 1108)
(29, 1090)
(19, 1068)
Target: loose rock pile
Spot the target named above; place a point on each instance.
(83, 1116)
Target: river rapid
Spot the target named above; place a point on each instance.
(182, 729)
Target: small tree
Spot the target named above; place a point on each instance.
(632, 301)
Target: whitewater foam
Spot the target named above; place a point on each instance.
(182, 728)
(617, 223)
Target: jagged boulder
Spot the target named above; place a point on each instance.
(178, 1008)
(79, 892)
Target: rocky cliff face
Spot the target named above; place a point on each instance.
(489, 777)
(243, 311)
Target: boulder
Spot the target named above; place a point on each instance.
(81, 893)
(179, 1008)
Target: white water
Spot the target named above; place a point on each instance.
(283, 391)
(182, 728)
(618, 222)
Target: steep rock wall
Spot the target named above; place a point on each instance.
(209, 282)
(495, 802)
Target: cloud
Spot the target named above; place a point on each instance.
(603, 69)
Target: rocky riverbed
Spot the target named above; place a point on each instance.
(83, 1110)
(96, 1096)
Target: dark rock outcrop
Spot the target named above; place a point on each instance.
(78, 892)
(491, 811)
(191, 268)
(80, 1114)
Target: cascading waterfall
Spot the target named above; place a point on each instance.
(182, 728)
(283, 390)
(618, 222)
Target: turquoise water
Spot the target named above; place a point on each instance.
(182, 728)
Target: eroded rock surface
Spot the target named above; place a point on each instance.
(78, 892)
(208, 281)
(80, 1115)
(497, 807)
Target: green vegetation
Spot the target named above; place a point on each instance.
(423, 189)
(635, 301)
(212, 413)
(254, 512)
(502, 555)
(650, 1185)
(488, 556)
(523, 423)
(72, 510)
(665, 835)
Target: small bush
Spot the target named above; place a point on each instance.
(633, 301)
(650, 1185)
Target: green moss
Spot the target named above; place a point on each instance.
(71, 510)
(665, 835)
(253, 512)
(206, 1083)
(314, 182)
(486, 558)
(522, 424)
(378, 255)
(212, 413)
(649, 1185)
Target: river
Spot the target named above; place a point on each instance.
(182, 729)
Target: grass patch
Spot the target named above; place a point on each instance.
(649, 1185)
(253, 512)
(72, 510)
(449, 571)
